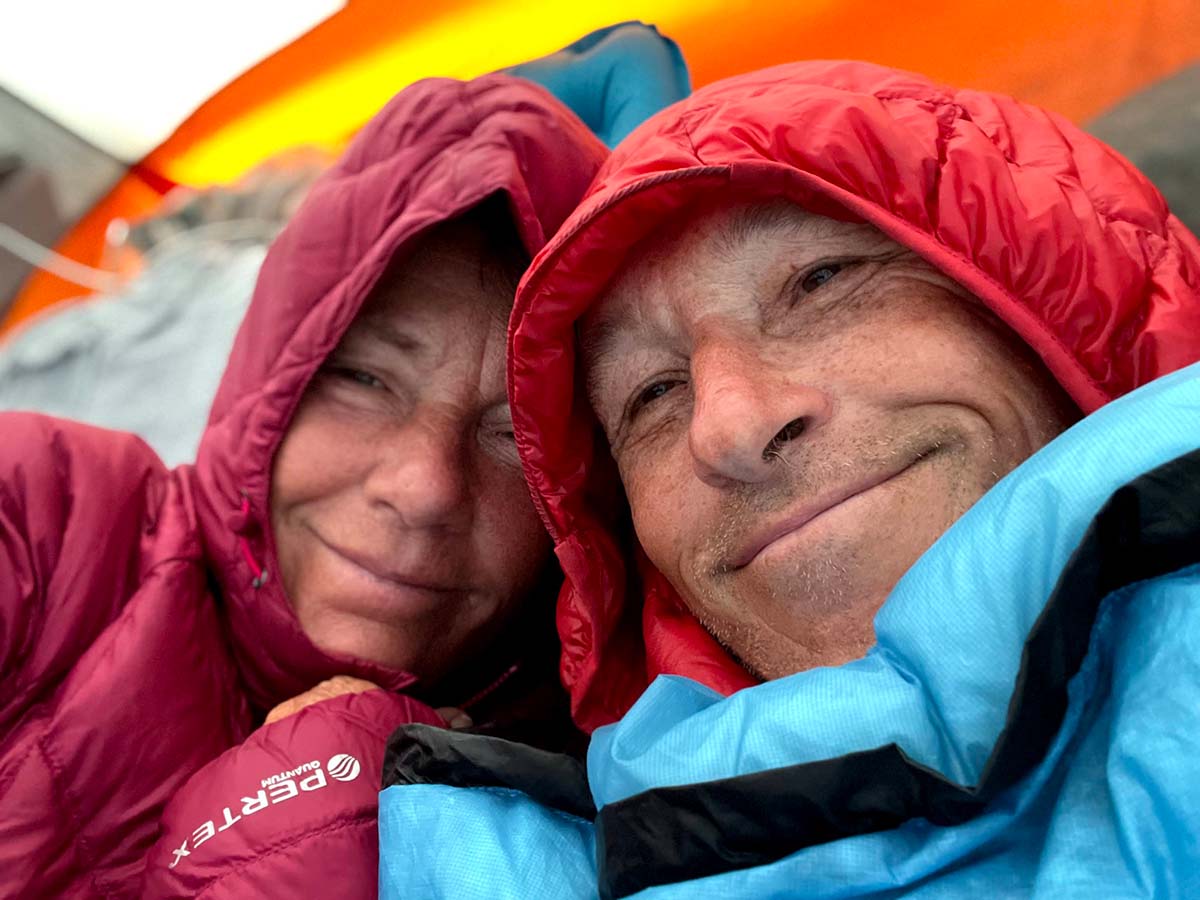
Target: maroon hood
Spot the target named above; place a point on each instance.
(437, 150)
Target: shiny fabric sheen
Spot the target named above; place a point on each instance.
(1108, 811)
(144, 630)
(1057, 234)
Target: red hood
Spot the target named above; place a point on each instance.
(438, 149)
(1060, 236)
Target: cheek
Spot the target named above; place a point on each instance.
(909, 355)
(663, 508)
(316, 456)
(959, 355)
(293, 484)
(512, 544)
(292, 479)
(317, 463)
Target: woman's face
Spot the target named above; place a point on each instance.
(405, 532)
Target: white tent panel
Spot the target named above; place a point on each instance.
(123, 74)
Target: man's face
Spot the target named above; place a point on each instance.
(799, 407)
(405, 532)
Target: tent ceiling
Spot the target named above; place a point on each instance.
(123, 74)
(212, 89)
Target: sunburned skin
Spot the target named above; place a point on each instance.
(405, 533)
(799, 408)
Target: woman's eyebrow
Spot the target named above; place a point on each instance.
(384, 330)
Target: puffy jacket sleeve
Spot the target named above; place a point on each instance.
(74, 503)
(291, 812)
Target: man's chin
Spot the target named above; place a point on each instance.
(769, 654)
(809, 613)
(808, 579)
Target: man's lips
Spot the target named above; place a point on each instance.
(796, 519)
(381, 572)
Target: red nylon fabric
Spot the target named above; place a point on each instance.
(136, 654)
(1056, 233)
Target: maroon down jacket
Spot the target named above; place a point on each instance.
(143, 628)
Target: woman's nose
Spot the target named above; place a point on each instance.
(422, 475)
(748, 412)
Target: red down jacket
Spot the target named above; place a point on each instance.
(1061, 237)
(143, 630)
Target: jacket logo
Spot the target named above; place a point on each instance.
(343, 767)
(275, 789)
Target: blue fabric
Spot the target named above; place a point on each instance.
(614, 78)
(1111, 811)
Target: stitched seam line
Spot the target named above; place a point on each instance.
(82, 849)
(962, 113)
(339, 823)
(18, 762)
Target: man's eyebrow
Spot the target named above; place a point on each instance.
(596, 346)
(598, 337)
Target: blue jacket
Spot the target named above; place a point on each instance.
(1028, 725)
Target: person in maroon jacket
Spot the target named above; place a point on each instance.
(200, 666)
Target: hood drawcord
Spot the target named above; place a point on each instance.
(260, 574)
(491, 688)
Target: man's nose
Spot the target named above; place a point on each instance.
(747, 413)
(422, 475)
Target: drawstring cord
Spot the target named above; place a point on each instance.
(260, 574)
(491, 688)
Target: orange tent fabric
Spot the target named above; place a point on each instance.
(1075, 56)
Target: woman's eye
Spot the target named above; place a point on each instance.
(819, 276)
(501, 444)
(650, 393)
(358, 376)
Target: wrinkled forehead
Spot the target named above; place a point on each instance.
(460, 268)
(735, 249)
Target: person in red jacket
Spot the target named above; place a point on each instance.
(190, 657)
(686, 290)
(799, 407)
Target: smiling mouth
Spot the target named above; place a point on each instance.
(384, 577)
(807, 513)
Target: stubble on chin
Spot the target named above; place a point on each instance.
(818, 608)
(806, 614)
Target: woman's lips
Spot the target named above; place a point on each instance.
(377, 571)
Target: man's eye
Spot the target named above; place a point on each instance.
(819, 276)
(650, 393)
